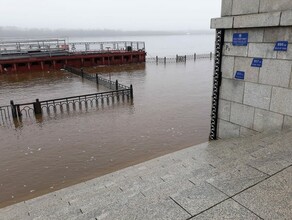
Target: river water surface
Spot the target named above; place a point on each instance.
(170, 111)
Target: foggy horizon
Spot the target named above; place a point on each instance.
(19, 32)
(127, 15)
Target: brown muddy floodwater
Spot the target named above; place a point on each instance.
(171, 111)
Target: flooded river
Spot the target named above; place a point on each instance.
(170, 111)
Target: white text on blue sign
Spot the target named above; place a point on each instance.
(281, 46)
(240, 39)
(239, 75)
(257, 62)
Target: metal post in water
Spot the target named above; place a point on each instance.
(185, 58)
(131, 91)
(37, 107)
(117, 85)
(82, 72)
(211, 55)
(195, 56)
(176, 59)
(13, 109)
(164, 60)
(18, 112)
(96, 76)
(156, 59)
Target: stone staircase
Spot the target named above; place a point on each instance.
(244, 178)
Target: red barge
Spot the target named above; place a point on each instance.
(40, 55)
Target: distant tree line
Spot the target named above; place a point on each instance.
(15, 32)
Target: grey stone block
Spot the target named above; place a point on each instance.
(245, 132)
(244, 64)
(245, 7)
(286, 19)
(236, 179)
(276, 73)
(285, 55)
(272, 158)
(263, 50)
(232, 90)
(271, 5)
(17, 211)
(226, 8)
(198, 197)
(242, 115)
(257, 95)
(287, 122)
(254, 35)
(282, 101)
(227, 66)
(224, 110)
(225, 22)
(230, 50)
(227, 210)
(270, 199)
(266, 120)
(274, 34)
(257, 20)
(227, 129)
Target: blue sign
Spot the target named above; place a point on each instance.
(281, 46)
(240, 39)
(239, 75)
(257, 62)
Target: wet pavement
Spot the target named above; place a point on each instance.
(245, 178)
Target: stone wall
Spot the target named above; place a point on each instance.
(263, 99)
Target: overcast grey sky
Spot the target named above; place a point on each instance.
(110, 14)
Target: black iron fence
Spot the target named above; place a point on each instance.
(119, 92)
(5, 114)
(17, 111)
(179, 58)
(96, 78)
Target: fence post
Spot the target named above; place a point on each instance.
(176, 58)
(37, 107)
(211, 55)
(13, 109)
(195, 56)
(18, 111)
(96, 76)
(131, 91)
(117, 85)
(156, 59)
(164, 60)
(82, 72)
(185, 58)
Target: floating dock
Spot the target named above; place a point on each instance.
(40, 55)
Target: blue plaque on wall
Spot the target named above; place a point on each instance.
(257, 62)
(240, 39)
(281, 46)
(239, 75)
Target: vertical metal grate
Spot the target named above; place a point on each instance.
(216, 82)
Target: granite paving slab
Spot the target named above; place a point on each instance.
(272, 198)
(228, 209)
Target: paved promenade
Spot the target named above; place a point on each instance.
(234, 179)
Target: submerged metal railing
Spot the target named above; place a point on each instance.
(179, 58)
(73, 103)
(96, 78)
(38, 108)
(5, 114)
